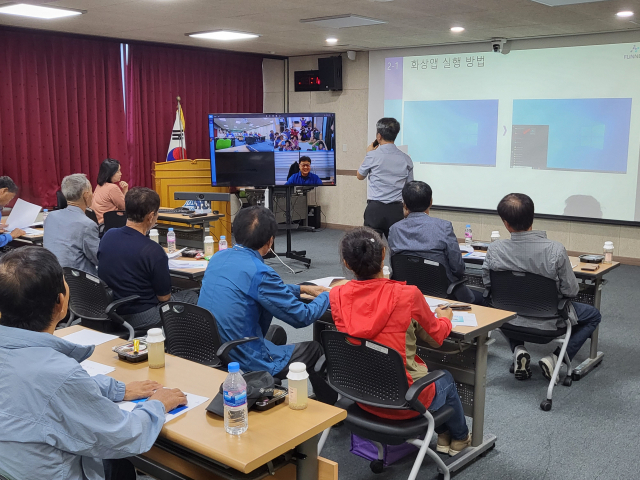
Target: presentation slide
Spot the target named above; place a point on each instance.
(559, 124)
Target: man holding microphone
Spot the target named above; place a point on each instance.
(388, 170)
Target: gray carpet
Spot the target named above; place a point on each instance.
(591, 433)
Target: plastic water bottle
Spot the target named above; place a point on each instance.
(45, 214)
(222, 244)
(468, 234)
(234, 389)
(171, 241)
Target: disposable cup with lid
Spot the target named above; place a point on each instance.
(297, 371)
(155, 335)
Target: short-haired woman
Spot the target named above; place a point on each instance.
(110, 191)
(396, 314)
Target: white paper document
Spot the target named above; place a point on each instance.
(176, 254)
(481, 255)
(23, 214)
(465, 248)
(463, 319)
(37, 224)
(89, 337)
(192, 402)
(434, 302)
(177, 264)
(32, 231)
(93, 368)
(324, 282)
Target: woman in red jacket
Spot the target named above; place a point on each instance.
(395, 314)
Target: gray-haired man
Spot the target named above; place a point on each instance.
(69, 233)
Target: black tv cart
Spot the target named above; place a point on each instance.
(299, 255)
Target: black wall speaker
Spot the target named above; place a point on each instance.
(330, 73)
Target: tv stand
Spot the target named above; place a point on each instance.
(298, 255)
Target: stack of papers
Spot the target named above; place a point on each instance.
(33, 231)
(463, 319)
(93, 368)
(192, 402)
(325, 282)
(465, 248)
(89, 337)
(434, 302)
(480, 255)
(177, 264)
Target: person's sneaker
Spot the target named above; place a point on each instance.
(522, 363)
(444, 441)
(458, 445)
(548, 364)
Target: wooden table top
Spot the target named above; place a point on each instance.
(602, 269)
(270, 434)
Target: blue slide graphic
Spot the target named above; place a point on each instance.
(456, 132)
(589, 134)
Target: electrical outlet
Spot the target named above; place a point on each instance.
(344, 147)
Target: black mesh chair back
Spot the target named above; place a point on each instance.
(91, 214)
(524, 293)
(61, 199)
(365, 371)
(430, 277)
(115, 219)
(191, 332)
(89, 296)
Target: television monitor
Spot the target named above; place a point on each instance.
(264, 149)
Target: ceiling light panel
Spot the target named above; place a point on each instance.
(37, 11)
(559, 3)
(224, 35)
(342, 21)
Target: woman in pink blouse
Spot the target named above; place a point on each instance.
(110, 192)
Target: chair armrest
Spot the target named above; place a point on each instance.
(225, 348)
(320, 365)
(563, 307)
(454, 285)
(111, 308)
(416, 389)
(487, 292)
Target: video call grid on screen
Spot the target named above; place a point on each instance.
(265, 149)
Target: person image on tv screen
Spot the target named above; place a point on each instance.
(304, 176)
(287, 146)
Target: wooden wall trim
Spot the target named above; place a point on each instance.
(347, 173)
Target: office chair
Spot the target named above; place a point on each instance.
(366, 372)
(115, 219)
(192, 333)
(534, 296)
(91, 214)
(62, 201)
(92, 301)
(430, 277)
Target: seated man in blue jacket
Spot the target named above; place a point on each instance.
(55, 420)
(304, 176)
(244, 295)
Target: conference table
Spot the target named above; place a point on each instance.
(464, 355)
(280, 442)
(590, 283)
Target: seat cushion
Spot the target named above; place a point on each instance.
(383, 430)
(531, 335)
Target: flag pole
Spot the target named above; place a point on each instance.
(181, 128)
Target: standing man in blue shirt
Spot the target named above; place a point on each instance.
(8, 190)
(304, 176)
(244, 295)
(55, 420)
(388, 170)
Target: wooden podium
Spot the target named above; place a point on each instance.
(190, 176)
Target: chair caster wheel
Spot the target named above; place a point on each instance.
(575, 377)
(511, 369)
(545, 405)
(567, 381)
(377, 466)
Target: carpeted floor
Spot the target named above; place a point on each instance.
(590, 433)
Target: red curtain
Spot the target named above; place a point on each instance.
(61, 109)
(206, 81)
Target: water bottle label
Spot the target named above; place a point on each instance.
(238, 400)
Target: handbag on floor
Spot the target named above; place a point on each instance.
(392, 453)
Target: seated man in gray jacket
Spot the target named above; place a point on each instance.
(429, 237)
(531, 251)
(55, 420)
(68, 232)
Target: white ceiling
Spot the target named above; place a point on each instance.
(410, 22)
